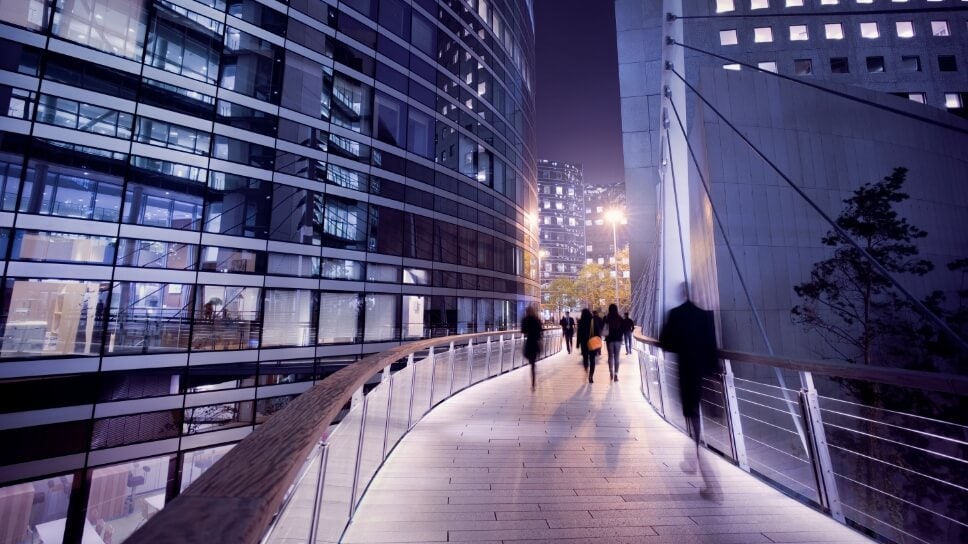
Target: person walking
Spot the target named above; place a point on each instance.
(690, 332)
(628, 326)
(567, 329)
(588, 328)
(613, 339)
(531, 329)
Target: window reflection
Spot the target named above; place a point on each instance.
(112, 26)
(234, 260)
(227, 318)
(40, 505)
(288, 319)
(156, 254)
(62, 247)
(53, 189)
(85, 117)
(216, 417)
(146, 317)
(195, 463)
(351, 104)
(184, 42)
(339, 318)
(382, 318)
(123, 497)
(53, 317)
(341, 269)
(251, 66)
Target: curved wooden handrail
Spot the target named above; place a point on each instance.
(236, 499)
(927, 381)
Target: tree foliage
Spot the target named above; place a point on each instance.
(593, 287)
(853, 307)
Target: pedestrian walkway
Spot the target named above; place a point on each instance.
(572, 462)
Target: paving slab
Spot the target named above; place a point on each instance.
(570, 462)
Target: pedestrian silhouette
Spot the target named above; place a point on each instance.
(589, 327)
(567, 329)
(531, 328)
(690, 332)
(613, 339)
(628, 326)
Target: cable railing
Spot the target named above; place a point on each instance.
(882, 450)
(301, 475)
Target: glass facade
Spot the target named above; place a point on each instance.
(207, 205)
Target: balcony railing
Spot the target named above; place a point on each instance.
(300, 476)
(882, 450)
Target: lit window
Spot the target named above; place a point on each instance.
(869, 31)
(734, 67)
(953, 100)
(833, 31)
(939, 28)
(916, 97)
(763, 34)
(724, 6)
(829, 2)
(803, 67)
(839, 65)
(769, 66)
(798, 33)
(794, 3)
(728, 37)
(865, 1)
(875, 65)
(905, 29)
(910, 63)
(759, 4)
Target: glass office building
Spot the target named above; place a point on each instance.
(207, 205)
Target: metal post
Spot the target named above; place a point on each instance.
(359, 456)
(433, 374)
(487, 359)
(386, 423)
(822, 466)
(733, 417)
(318, 499)
(513, 341)
(451, 357)
(500, 354)
(413, 384)
(660, 371)
(470, 362)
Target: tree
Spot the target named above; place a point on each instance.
(853, 307)
(562, 295)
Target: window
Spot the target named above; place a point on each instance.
(759, 4)
(947, 63)
(728, 37)
(723, 6)
(763, 34)
(869, 31)
(829, 2)
(865, 1)
(910, 63)
(839, 65)
(917, 97)
(798, 33)
(794, 3)
(769, 66)
(875, 65)
(117, 28)
(939, 28)
(905, 29)
(953, 100)
(833, 31)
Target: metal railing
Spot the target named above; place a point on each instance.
(302, 474)
(882, 450)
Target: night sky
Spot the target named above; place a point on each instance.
(577, 87)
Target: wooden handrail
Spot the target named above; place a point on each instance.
(914, 379)
(236, 499)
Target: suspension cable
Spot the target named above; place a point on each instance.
(839, 13)
(834, 226)
(802, 81)
(675, 197)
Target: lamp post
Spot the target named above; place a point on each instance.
(615, 216)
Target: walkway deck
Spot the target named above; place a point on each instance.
(572, 462)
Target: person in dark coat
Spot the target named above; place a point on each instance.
(531, 329)
(586, 328)
(613, 340)
(690, 332)
(567, 329)
(628, 326)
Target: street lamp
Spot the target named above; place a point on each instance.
(615, 217)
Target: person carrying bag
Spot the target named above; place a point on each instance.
(589, 335)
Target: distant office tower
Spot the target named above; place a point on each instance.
(605, 204)
(561, 215)
(207, 204)
(829, 137)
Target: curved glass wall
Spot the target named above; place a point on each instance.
(207, 205)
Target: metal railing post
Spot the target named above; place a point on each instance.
(733, 417)
(318, 499)
(470, 362)
(388, 381)
(500, 354)
(433, 375)
(487, 359)
(660, 371)
(451, 356)
(820, 454)
(359, 454)
(513, 342)
(413, 383)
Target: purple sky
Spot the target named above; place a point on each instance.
(577, 87)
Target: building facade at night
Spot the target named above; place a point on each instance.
(886, 89)
(560, 219)
(207, 204)
(600, 202)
